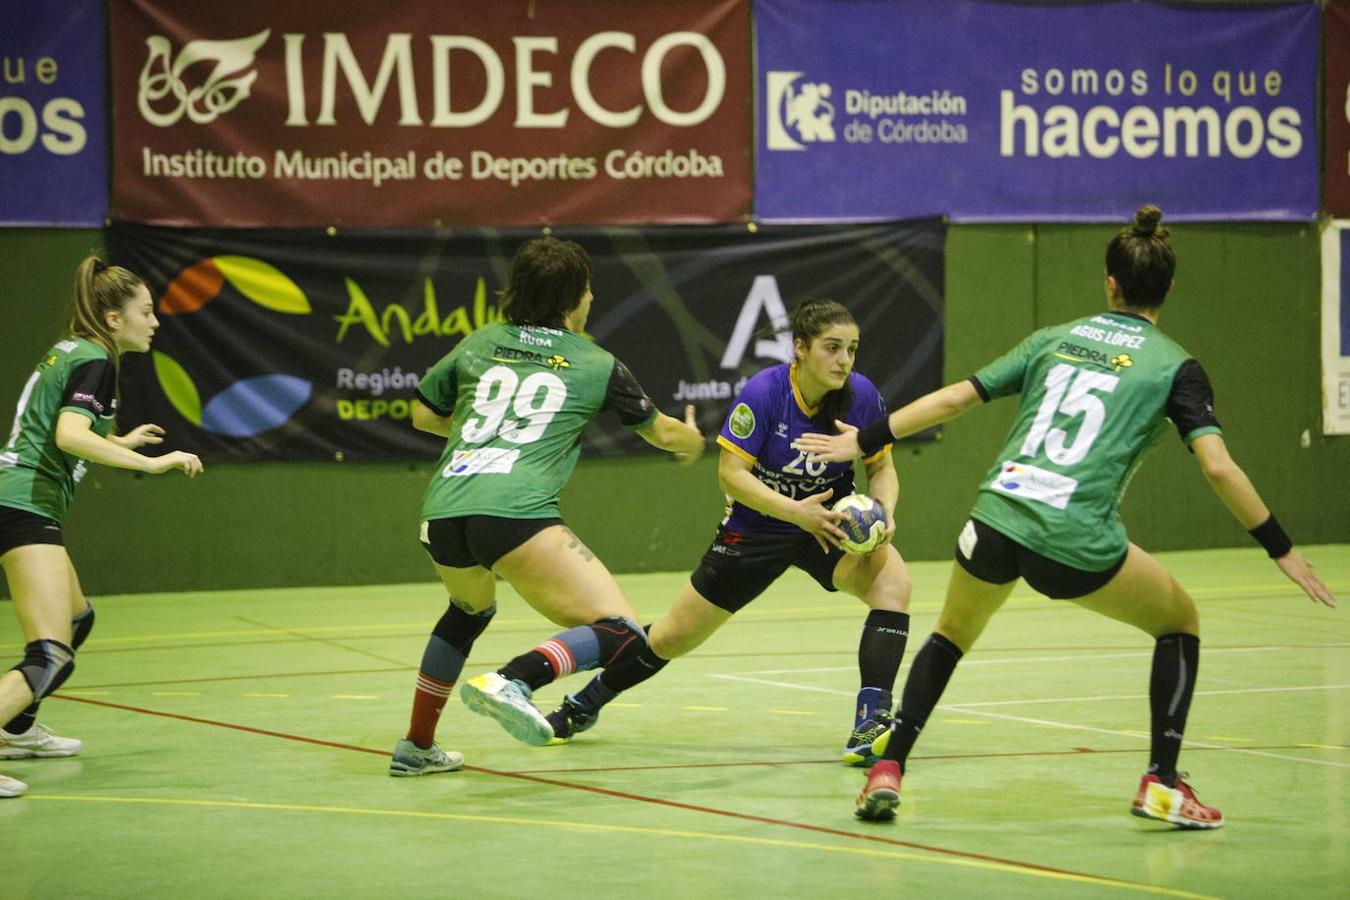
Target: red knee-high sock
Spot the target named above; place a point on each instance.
(428, 701)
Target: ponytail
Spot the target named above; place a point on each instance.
(1141, 260)
(99, 290)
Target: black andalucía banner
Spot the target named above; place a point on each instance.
(284, 344)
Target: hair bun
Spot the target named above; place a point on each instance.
(1146, 220)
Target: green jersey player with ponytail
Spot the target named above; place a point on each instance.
(65, 420)
(1095, 393)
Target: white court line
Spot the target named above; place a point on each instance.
(1021, 659)
(969, 708)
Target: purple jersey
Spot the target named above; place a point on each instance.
(767, 416)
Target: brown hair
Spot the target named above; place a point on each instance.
(1142, 261)
(99, 290)
(809, 320)
(548, 278)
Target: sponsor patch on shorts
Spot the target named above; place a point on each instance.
(1021, 480)
(483, 461)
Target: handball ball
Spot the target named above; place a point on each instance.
(864, 522)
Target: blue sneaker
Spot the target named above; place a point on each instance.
(509, 703)
(570, 719)
(868, 741)
(410, 759)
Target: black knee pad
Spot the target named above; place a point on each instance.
(460, 629)
(80, 626)
(620, 639)
(46, 665)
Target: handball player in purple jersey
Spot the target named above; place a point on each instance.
(779, 515)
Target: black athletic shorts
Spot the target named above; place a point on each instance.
(739, 567)
(19, 527)
(992, 556)
(467, 541)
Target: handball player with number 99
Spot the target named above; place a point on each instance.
(512, 399)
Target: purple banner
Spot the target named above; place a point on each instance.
(986, 110)
(53, 131)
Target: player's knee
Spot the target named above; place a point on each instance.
(46, 665)
(619, 639)
(81, 625)
(459, 627)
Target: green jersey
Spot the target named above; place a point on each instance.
(518, 398)
(75, 376)
(1096, 395)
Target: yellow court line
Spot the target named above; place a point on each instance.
(708, 708)
(355, 697)
(791, 712)
(634, 829)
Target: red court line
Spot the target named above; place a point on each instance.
(640, 798)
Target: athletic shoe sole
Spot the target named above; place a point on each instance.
(521, 719)
(399, 770)
(878, 806)
(11, 787)
(1177, 820)
(8, 751)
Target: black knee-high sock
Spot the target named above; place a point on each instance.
(80, 626)
(619, 677)
(608, 642)
(880, 650)
(928, 676)
(1176, 658)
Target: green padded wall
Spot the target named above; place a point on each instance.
(1245, 303)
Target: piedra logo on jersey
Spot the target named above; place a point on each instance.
(249, 406)
(797, 114)
(164, 96)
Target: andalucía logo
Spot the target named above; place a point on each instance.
(249, 406)
(798, 114)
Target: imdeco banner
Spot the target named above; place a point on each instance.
(515, 112)
(1336, 56)
(1036, 111)
(293, 344)
(53, 92)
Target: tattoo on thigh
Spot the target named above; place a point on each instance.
(575, 544)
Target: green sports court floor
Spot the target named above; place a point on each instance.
(236, 746)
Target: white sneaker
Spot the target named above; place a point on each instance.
(11, 787)
(410, 759)
(509, 703)
(37, 741)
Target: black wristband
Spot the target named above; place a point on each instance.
(1270, 535)
(875, 436)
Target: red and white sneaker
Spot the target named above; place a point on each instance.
(1177, 804)
(881, 795)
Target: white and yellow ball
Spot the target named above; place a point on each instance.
(864, 523)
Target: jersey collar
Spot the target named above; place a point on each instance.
(1129, 315)
(797, 392)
